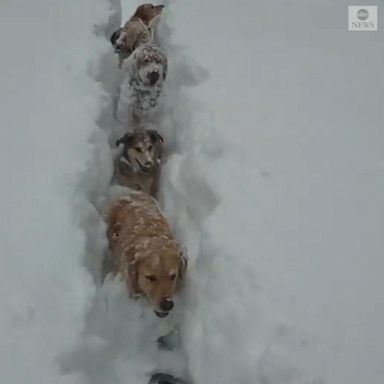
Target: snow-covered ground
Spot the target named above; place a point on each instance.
(273, 182)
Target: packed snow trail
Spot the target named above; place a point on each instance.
(273, 182)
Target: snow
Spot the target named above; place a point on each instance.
(272, 182)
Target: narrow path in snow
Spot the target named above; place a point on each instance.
(121, 336)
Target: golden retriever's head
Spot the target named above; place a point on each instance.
(159, 276)
(147, 12)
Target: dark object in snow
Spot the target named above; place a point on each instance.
(169, 342)
(164, 378)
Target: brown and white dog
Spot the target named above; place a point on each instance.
(139, 29)
(143, 251)
(139, 165)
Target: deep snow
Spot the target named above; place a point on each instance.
(273, 182)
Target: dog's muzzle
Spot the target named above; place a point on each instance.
(166, 305)
(145, 167)
(153, 77)
(161, 314)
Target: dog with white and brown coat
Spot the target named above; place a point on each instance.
(138, 30)
(140, 96)
(139, 165)
(143, 251)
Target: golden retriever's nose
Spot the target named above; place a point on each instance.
(166, 304)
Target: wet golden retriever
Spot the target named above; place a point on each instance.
(143, 251)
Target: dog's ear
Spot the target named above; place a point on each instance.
(183, 265)
(130, 272)
(133, 277)
(155, 136)
(126, 139)
(114, 37)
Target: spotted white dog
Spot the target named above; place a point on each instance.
(140, 95)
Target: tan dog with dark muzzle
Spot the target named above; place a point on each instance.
(138, 30)
(139, 165)
(143, 251)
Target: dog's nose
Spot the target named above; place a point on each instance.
(166, 304)
(147, 165)
(153, 77)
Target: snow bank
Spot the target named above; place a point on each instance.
(49, 108)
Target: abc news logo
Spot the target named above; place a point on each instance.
(362, 18)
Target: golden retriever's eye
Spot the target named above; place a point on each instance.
(138, 149)
(172, 276)
(150, 278)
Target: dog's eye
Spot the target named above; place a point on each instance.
(172, 276)
(150, 278)
(138, 149)
(150, 148)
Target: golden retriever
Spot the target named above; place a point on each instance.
(143, 251)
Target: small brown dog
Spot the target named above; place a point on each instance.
(139, 165)
(143, 251)
(137, 30)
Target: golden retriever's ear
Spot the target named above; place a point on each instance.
(128, 272)
(133, 277)
(182, 269)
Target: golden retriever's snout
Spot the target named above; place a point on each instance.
(166, 304)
